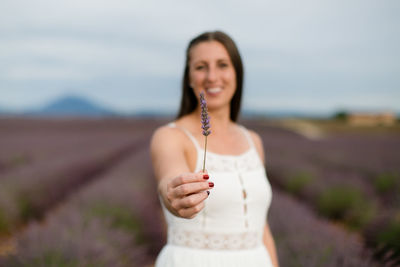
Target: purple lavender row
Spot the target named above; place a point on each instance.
(26, 141)
(114, 221)
(27, 192)
(303, 239)
(352, 178)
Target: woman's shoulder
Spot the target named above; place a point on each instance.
(253, 134)
(256, 137)
(165, 141)
(169, 141)
(170, 132)
(167, 132)
(258, 143)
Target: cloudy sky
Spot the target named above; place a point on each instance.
(312, 55)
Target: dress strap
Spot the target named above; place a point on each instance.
(188, 134)
(248, 137)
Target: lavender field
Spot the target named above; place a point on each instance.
(78, 192)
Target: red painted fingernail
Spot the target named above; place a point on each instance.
(205, 176)
(208, 192)
(211, 184)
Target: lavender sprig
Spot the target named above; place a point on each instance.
(205, 124)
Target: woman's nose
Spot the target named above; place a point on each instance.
(211, 74)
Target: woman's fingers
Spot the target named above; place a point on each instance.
(191, 188)
(193, 200)
(189, 213)
(187, 192)
(193, 195)
(189, 202)
(188, 178)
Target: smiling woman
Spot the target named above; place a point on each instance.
(226, 225)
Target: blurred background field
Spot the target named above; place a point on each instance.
(80, 192)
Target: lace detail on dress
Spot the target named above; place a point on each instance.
(247, 161)
(203, 240)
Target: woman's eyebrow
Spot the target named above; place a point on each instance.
(223, 59)
(200, 62)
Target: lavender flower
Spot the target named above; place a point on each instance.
(205, 119)
(205, 124)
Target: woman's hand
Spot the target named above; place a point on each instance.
(187, 192)
(182, 191)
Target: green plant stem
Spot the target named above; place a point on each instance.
(205, 151)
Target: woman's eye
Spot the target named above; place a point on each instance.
(223, 65)
(199, 67)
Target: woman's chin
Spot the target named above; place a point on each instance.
(217, 105)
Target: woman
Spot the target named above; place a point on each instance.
(225, 224)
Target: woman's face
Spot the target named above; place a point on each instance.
(211, 70)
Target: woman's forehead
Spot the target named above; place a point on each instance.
(208, 51)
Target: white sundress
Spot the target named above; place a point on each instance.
(228, 232)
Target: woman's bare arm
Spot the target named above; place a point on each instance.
(270, 245)
(182, 192)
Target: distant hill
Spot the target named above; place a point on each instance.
(4, 111)
(72, 106)
(77, 106)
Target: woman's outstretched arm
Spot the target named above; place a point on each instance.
(182, 192)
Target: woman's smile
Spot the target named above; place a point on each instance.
(213, 91)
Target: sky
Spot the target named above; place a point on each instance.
(309, 56)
